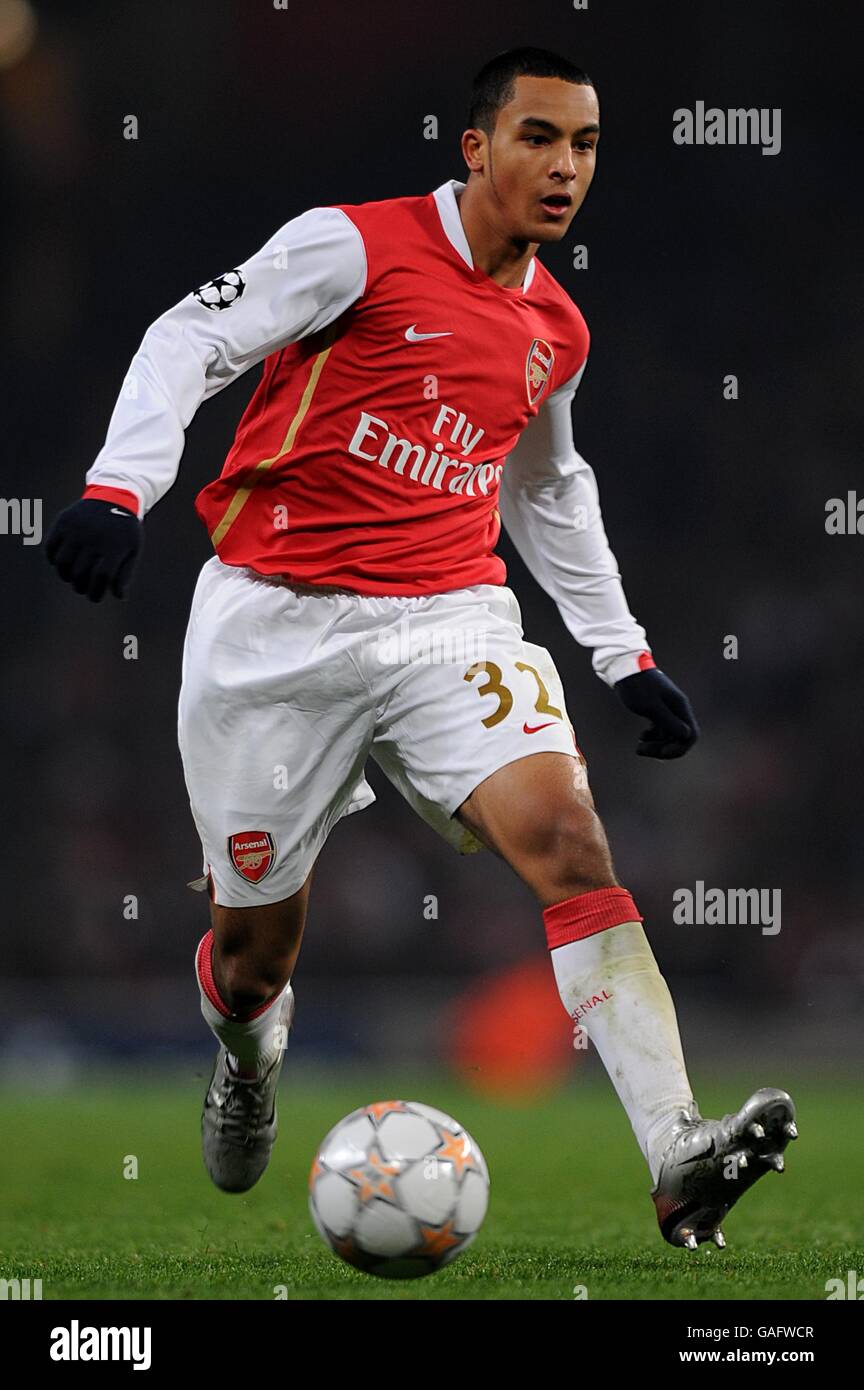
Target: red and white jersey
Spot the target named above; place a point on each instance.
(400, 386)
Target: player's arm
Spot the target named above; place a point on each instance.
(550, 507)
(302, 279)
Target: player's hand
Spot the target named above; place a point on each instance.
(673, 727)
(94, 544)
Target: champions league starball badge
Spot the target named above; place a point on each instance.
(222, 292)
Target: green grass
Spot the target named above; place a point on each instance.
(569, 1203)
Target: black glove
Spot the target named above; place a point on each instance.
(673, 724)
(94, 544)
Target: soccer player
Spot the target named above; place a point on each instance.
(419, 369)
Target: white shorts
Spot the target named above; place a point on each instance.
(286, 693)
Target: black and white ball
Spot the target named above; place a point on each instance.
(222, 292)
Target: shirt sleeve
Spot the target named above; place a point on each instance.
(550, 507)
(302, 279)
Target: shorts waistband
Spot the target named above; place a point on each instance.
(282, 582)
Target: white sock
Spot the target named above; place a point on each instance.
(252, 1043)
(611, 986)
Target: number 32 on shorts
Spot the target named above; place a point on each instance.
(494, 685)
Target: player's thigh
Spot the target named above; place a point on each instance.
(539, 816)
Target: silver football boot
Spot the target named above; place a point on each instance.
(709, 1164)
(238, 1123)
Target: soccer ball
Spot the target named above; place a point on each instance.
(222, 292)
(398, 1189)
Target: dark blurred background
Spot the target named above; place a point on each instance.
(703, 261)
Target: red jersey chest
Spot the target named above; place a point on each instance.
(436, 354)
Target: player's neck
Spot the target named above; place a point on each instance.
(497, 255)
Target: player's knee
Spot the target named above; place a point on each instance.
(246, 979)
(246, 985)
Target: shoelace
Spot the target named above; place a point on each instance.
(242, 1104)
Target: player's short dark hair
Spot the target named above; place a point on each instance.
(495, 83)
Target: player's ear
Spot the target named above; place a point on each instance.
(475, 147)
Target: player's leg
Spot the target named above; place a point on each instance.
(273, 727)
(546, 828)
(485, 751)
(244, 966)
(539, 816)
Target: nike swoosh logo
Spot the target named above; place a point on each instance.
(527, 729)
(118, 511)
(414, 337)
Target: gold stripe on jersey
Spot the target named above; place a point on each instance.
(238, 501)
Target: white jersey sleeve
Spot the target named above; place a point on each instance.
(302, 279)
(550, 508)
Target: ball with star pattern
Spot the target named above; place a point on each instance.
(398, 1189)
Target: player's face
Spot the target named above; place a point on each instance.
(542, 156)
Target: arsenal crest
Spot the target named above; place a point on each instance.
(538, 369)
(252, 854)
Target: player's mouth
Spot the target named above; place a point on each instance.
(557, 204)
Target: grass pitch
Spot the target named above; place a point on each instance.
(569, 1200)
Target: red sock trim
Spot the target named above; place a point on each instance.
(204, 968)
(587, 913)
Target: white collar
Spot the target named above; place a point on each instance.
(448, 211)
